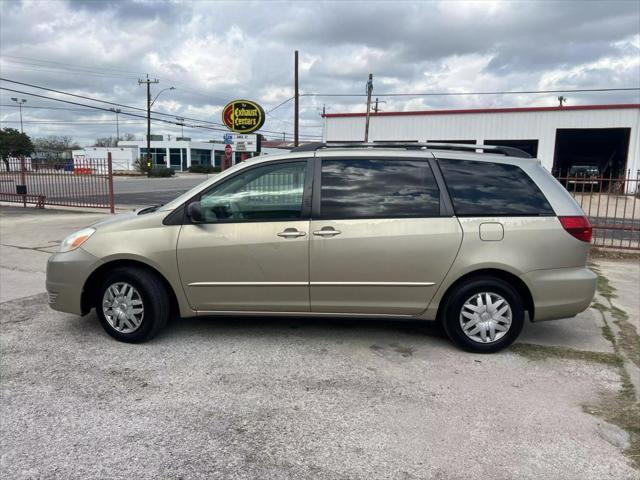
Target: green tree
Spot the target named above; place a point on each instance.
(14, 144)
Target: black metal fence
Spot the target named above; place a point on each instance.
(612, 205)
(81, 182)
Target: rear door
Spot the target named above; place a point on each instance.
(382, 235)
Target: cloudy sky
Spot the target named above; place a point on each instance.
(213, 52)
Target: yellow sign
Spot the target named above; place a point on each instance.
(243, 116)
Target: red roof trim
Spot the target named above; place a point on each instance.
(489, 110)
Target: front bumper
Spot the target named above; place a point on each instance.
(66, 276)
(560, 292)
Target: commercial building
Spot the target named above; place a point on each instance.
(605, 136)
(178, 154)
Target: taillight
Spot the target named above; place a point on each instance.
(578, 226)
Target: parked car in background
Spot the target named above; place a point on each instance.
(435, 232)
(584, 173)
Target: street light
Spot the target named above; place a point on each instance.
(19, 102)
(163, 90)
(117, 111)
(181, 120)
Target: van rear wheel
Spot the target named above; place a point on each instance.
(132, 304)
(483, 315)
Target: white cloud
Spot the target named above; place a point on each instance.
(213, 52)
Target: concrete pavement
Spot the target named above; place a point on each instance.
(296, 398)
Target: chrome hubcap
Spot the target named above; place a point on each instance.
(485, 317)
(122, 307)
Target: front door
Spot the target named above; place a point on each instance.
(251, 251)
(379, 244)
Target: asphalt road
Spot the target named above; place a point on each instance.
(139, 191)
(275, 398)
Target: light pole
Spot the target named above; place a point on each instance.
(181, 120)
(117, 111)
(20, 102)
(163, 90)
(150, 103)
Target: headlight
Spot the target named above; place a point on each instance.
(76, 239)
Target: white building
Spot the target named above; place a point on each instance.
(122, 158)
(178, 154)
(604, 135)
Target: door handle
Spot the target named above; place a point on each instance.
(327, 232)
(291, 233)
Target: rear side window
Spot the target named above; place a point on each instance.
(364, 188)
(484, 189)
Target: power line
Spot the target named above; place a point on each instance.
(44, 107)
(280, 104)
(84, 97)
(74, 122)
(452, 94)
(104, 109)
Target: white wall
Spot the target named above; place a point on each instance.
(122, 158)
(539, 125)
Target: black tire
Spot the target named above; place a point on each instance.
(451, 313)
(155, 301)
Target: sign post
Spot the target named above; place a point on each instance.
(226, 161)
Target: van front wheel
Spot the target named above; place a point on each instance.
(132, 304)
(483, 315)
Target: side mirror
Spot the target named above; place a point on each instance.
(194, 212)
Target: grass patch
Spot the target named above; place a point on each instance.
(545, 352)
(608, 333)
(622, 409)
(628, 340)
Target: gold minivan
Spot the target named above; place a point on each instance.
(434, 232)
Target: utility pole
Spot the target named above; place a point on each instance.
(369, 91)
(148, 82)
(181, 120)
(22, 101)
(376, 109)
(117, 111)
(296, 102)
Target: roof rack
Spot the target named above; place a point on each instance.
(415, 145)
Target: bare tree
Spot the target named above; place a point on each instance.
(56, 143)
(113, 141)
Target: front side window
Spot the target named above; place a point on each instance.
(365, 188)
(483, 189)
(270, 192)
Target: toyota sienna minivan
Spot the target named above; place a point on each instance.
(436, 232)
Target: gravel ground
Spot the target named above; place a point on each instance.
(274, 398)
(242, 398)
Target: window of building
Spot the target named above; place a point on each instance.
(484, 189)
(177, 158)
(219, 154)
(200, 156)
(158, 156)
(270, 192)
(384, 188)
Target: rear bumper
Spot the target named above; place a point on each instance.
(561, 292)
(66, 275)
